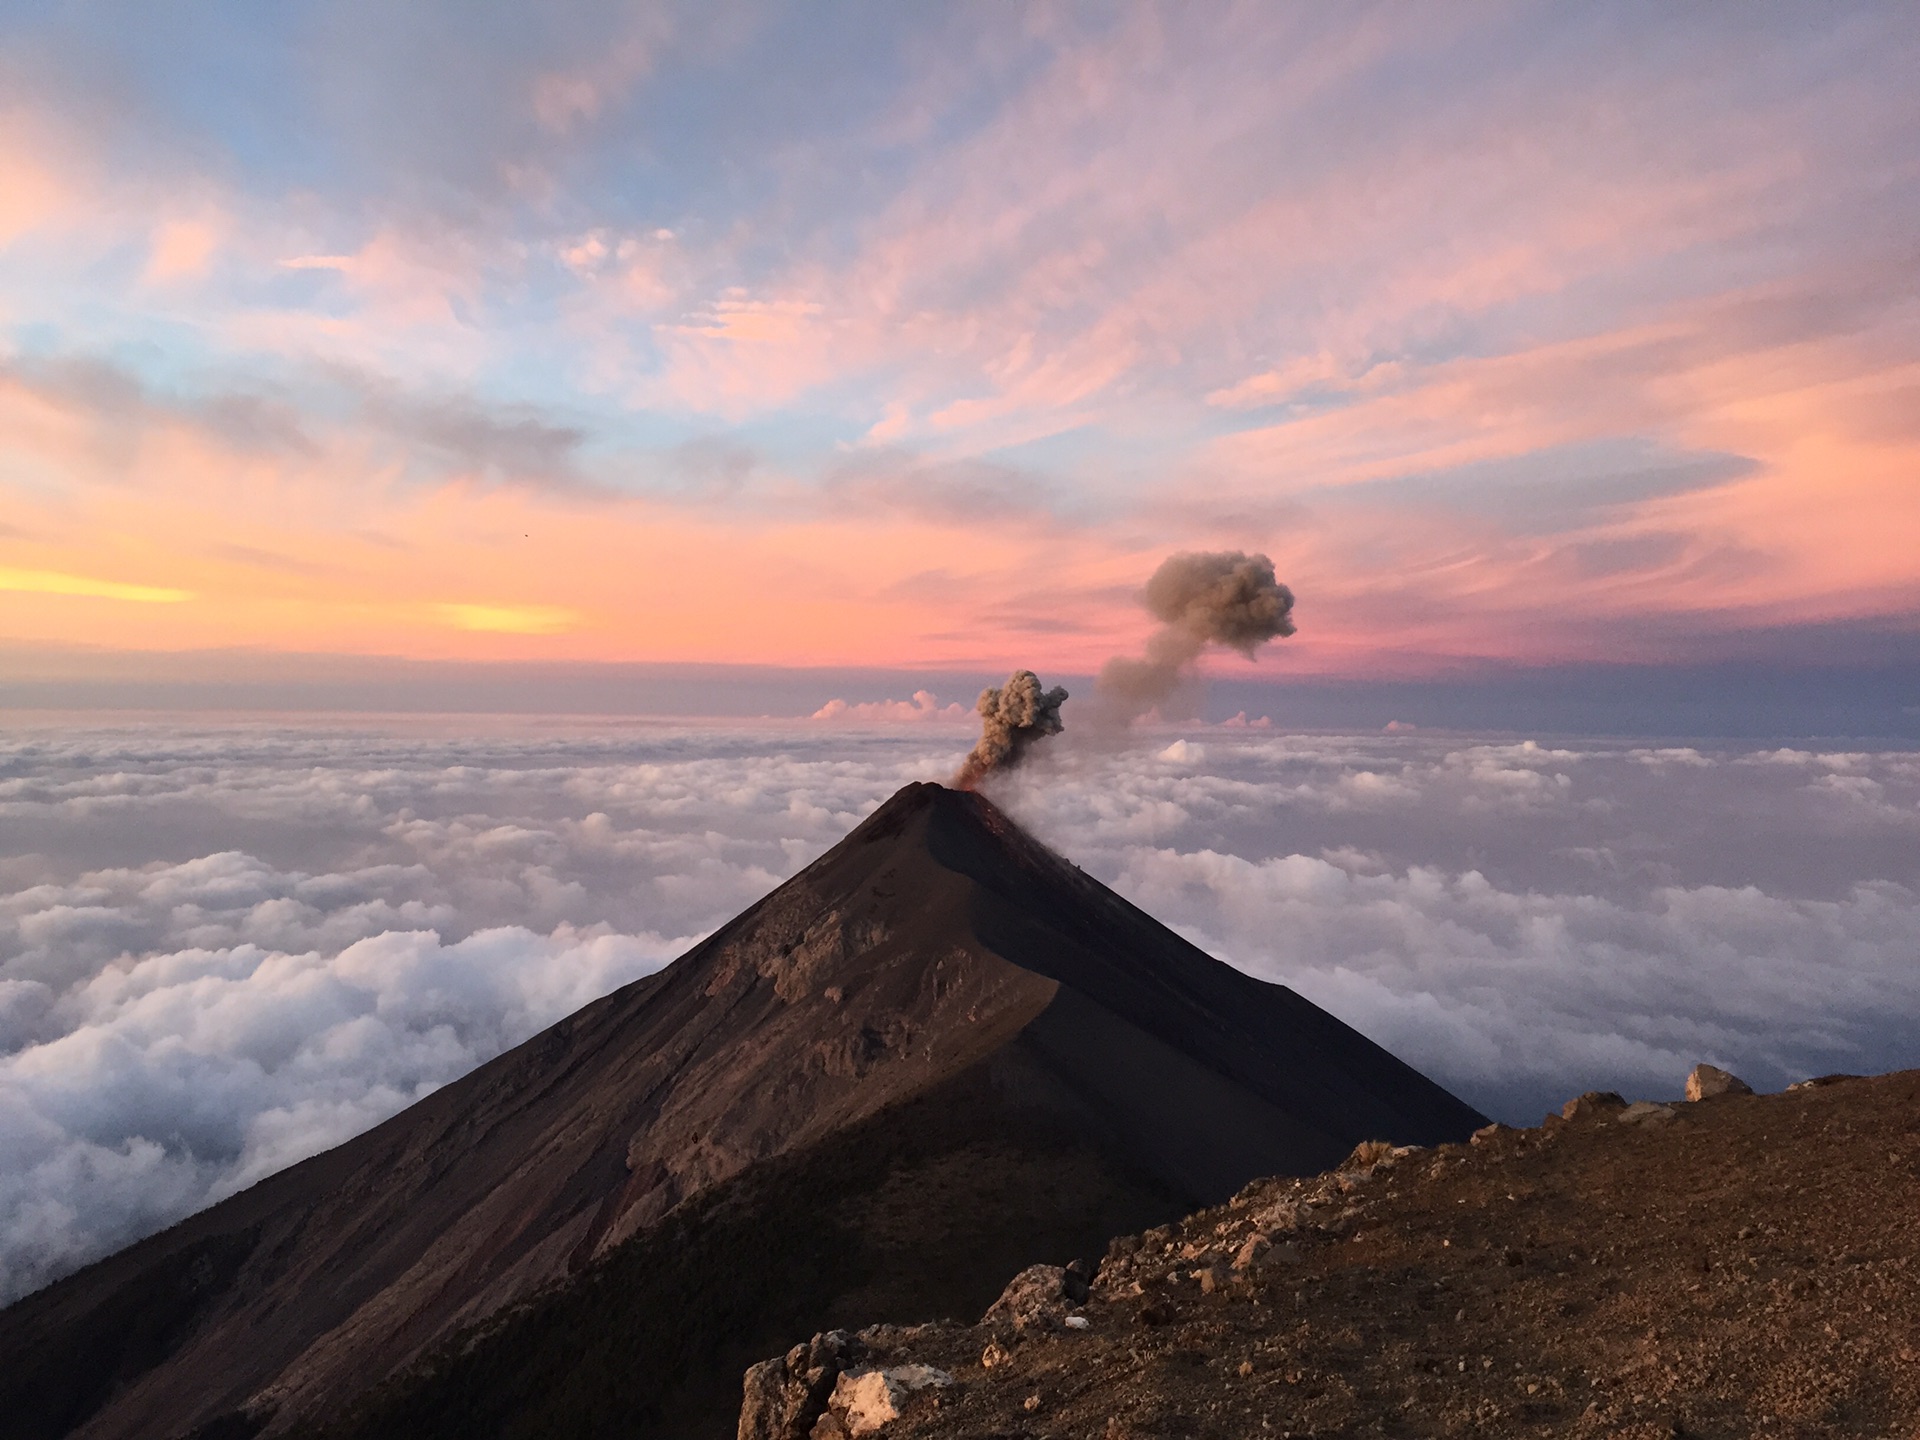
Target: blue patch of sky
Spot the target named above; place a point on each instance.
(179, 74)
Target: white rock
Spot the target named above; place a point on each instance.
(868, 1399)
(920, 1377)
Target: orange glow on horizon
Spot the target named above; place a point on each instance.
(998, 397)
(54, 582)
(332, 552)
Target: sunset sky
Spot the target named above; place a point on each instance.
(914, 337)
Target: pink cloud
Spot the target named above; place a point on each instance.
(924, 705)
(184, 247)
(48, 180)
(1156, 232)
(1006, 292)
(31, 195)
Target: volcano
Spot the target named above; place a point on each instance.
(937, 1054)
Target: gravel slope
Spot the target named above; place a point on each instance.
(1740, 1266)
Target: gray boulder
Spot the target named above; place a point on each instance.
(1707, 1081)
(1594, 1102)
(1035, 1299)
(1646, 1112)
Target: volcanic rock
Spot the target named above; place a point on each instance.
(1707, 1081)
(1749, 1270)
(1255, 1251)
(1036, 1298)
(865, 1400)
(786, 1395)
(1591, 1104)
(1076, 1282)
(1646, 1112)
(937, 1055)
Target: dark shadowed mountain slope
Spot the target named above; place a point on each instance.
(938, 1033)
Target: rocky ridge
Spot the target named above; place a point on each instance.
(1732, 1265)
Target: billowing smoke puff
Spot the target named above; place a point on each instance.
(1013, 717)
(1221, 597)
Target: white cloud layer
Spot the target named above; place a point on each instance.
(925, 705)
(1525, 922)
(224, 948)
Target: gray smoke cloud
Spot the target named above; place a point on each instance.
(1200, 598)
(1013, 718)
(1223, 597)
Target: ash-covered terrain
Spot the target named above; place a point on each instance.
(1737, 1266)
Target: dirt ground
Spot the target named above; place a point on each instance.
(1740, 1266)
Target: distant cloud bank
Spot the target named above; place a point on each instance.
(925, 705)
(223, 948)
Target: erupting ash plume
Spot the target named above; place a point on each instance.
(1013, 717)
(1207, 598)
(1223, 597)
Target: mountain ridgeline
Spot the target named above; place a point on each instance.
(936, 1055)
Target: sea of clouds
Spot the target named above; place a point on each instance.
(224, 947)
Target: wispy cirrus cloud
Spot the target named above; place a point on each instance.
(1398, 298)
